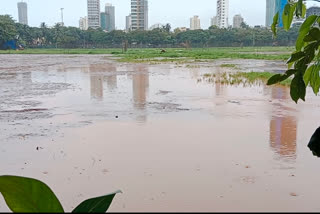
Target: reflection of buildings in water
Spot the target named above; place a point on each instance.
(96, 82)
(219, 87)
(26, 78)
(140, 84)
(112, 80)
(283, 129)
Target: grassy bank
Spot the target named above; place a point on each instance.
(175, 54)
(61, 51)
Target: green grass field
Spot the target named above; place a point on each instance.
(175, 54)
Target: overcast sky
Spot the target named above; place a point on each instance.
(175, 12)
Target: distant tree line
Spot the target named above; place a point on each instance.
(72, 37)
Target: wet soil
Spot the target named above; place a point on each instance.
(88, 125)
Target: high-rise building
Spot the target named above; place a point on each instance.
(83, 23)
(280, 4)
(270, 12)
(223, 13)
(237, 21)
(103, 21)
(23, 12)
(128, 23)
(313, 11)
(139, 15)
(110, 17)
(93, 13)
(273, 7)
(214, 21)
(195, 23)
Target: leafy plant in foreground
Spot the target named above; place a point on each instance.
(304, 63)
(27, 195)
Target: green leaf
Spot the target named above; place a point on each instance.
(315, 79)
(304, 11)
(28, 195)
(299, 10)
(307, 75)
(275, 24)
(274, 79)
(287, 16)
(296, 56)
(313, 35)
(298, 88)
(96, 205)
(279, 78)
(304, 29)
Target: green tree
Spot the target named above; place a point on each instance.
(304, 63)
(7, 28)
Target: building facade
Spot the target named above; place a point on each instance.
(223, 13)
(214, 21)
(103, 21)
(110, 17)
(270, 12)
(156, 26)
(83, 23)
(273, 7)
(128, 23)
(195, 23)
(139, 15)
(237, 21)
(280, 4)
(23, 12)
(313, 11)
(93, 13)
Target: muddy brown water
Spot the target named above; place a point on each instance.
(87, 126)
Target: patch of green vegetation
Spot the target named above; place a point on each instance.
(228, 66)
(154, 55)
(244, 78)
(135, 55)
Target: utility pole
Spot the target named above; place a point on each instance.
(62, 23)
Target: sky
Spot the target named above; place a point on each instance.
(175, 12)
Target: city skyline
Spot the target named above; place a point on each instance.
(206, 10)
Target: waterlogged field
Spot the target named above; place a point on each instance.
(194, 135)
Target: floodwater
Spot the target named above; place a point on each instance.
(88, 126)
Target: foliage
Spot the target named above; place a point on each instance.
(28, 195)
(304, 63)
(70, 37)
(7, 28)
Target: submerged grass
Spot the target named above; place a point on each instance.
(242, 78)
(228, 66)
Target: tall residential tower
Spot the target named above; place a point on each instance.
(93, 13)
(23, 12)
(273, 7)
(139, 15)
(195, 23)
(110, 16)
(237, 21)
(223, 13)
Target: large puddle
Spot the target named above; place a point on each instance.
(87, 126)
